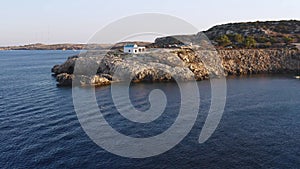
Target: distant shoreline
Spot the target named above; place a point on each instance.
(78, 47)
(243, 35)
(40, 46)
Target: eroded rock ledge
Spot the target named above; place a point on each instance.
(168, 65)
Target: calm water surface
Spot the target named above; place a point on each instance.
(39, 128)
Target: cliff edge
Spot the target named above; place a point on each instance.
(185, 64)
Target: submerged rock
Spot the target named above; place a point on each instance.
(65, 79)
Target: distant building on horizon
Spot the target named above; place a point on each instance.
(134, 48)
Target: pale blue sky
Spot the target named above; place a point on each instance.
(75, 21)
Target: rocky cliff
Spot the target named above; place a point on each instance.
(181, 64)
(254, 61)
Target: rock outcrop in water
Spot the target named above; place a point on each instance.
(168, 65)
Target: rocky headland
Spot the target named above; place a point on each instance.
(185, 64)
(241, 49)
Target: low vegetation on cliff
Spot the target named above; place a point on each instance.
(269, 34)
(256, 34)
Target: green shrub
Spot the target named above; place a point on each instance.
(224, 40)
(250, 42)
(287, 39)
(239, 38)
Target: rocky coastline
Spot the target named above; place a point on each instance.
(245, 48)
(162, 65)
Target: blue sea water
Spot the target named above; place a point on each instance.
(260, 127)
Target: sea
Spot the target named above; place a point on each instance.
(260, 126)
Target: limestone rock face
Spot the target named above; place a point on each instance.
(253, 61)
(170, 65)
(64, 79)
(67, 67)
(94, 80)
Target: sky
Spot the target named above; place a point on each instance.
(75, 21)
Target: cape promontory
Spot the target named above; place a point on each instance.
(242, 48)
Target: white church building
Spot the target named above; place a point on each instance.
(133, 48)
